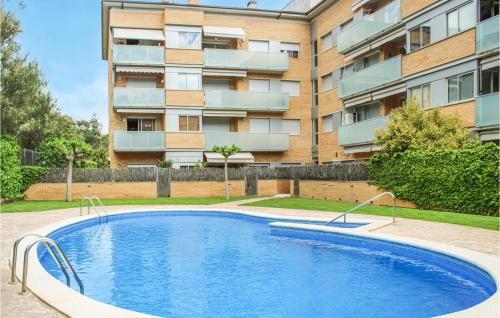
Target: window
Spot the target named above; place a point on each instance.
(489, 80)
(183, 37)
(347, 70)
(260, 85)
(141, 124)
(292, 49)
(331, 80)
(258, 46)
(360, 113)
(488, 9)
(327, 82)
(332, 122)
(315, 93)
(183, 78)
(423, 94)
(460, 87)
(327, 41)
(461, 19)
(187, 81)
(290, 126)
(420, 36)
(315, 131)
(189, 123)
(275, 125)
(315, 52)
(291, 87)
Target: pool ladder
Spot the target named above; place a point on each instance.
(102, 213)
(49, 244)
(369, 201)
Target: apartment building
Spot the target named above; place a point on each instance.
(304, 85)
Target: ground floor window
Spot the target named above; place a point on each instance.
(423, 94)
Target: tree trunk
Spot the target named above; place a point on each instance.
(226, 178)
(69, 175)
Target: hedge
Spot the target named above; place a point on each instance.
(31, 175)
(463, 180)
(10, 169)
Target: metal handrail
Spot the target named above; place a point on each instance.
(47, 241)
(14, 258)
(90, 200)
(368, 202)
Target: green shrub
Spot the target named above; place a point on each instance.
(30, 175)
(10, 169)
(460, 180)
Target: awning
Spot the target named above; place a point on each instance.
(361, 148)
(224, 113)
(240, 157)
(131, 69)
(223, 73)
(224, 32)
(138, 34)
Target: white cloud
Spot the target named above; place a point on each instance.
(86, 99)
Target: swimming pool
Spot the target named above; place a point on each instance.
(219, 264)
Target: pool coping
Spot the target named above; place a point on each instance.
(73, 304)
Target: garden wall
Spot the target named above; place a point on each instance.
(107, 190)
(345, 183)
(205, 189)
(342, 191)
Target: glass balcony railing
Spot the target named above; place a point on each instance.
(249, 101)
(139, 141)
(248, 141)
(487, 111)
(371, 77)
(138, 97)
(487, 35)
(138, 55)
(246, 60)
(361, 132)
(371, 24)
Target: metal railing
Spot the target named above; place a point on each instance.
(49, 244)
(369, 201)
(90, 202)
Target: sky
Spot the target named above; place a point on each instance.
(64, 37)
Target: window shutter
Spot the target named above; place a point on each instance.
(291, 87)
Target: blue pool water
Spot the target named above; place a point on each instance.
(205, 264)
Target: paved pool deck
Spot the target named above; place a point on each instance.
(12, 225)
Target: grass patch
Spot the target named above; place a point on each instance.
(36, 206)
(480, 221)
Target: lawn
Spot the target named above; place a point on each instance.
(34, 206)
(481, 221)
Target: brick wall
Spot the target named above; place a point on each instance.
(205, 189)
(354, 191)
(108, 190)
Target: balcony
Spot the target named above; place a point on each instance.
(138, 55)
(487, 112)
(139, 141)
(487, 36)
(362, 132)
(246, 101)
(376, 75)
(248, 141)
(371, 25)
(132, 97)
(246, 60)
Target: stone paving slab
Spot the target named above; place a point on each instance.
(27, 306)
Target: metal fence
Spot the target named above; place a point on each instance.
(28, 157)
